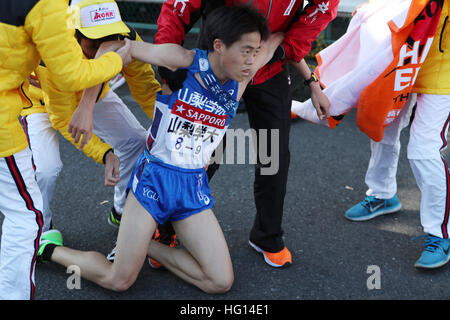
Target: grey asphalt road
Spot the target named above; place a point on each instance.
(332, 256)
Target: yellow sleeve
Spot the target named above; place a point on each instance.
(94, 149)
(142, 83)
(60, 107)
(48, 25)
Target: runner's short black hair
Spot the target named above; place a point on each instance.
(229, 23)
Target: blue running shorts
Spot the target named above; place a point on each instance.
(167, 192)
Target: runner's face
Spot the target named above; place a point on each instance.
(237, 59)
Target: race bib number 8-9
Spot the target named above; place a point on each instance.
(191, 129)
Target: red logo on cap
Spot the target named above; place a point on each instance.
(102, 15)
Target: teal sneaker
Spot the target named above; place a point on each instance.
(372, 207)
(435, 254)
(51, 236)
(114, 218)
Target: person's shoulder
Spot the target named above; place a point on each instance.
(200, 61)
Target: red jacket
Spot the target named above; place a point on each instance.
(178, 16)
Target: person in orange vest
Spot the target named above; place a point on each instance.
(427, 140)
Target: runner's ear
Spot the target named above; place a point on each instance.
(218, 45)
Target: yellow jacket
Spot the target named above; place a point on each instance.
(434, 75)
(41, 98)
(32, 31)
(61, 105)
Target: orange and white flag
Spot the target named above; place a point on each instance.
(374, 65)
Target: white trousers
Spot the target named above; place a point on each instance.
(428, 138)
(382, 170)
(21, 205)
(114, 123)
(44, 143)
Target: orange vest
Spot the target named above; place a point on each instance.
(381, 101)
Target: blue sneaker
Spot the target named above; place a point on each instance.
(372, 207)
(436, 253)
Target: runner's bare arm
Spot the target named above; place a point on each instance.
(122, 48)
(169, 55)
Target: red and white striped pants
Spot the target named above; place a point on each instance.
(21, 205)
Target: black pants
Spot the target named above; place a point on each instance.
(268, 107)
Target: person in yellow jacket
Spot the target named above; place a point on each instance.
(428, 138)
(31, 31)
(118, 135)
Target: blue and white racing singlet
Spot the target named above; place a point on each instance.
(189, 124)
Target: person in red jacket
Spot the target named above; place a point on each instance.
(267, 98)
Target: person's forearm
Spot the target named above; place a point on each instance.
(89, 97)
(81, 122)
(301, 68)
(304, 71)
